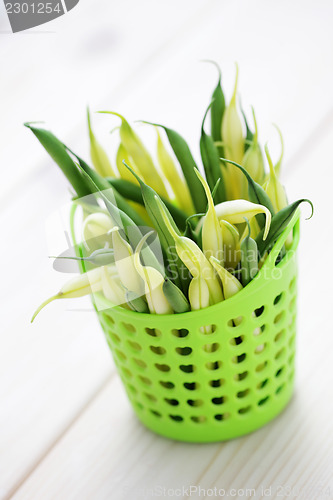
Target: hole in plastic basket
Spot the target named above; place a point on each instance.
(279, 389)
(241, 376)
(139, 405)
(292, 304)
(260, 348)
(172, 402)
(261, 366)
(187, 368)
(237, 340)
(195, 402)
(184, 351)
(279, 371)
(222, 416)
(129, 327)
(156, 413)
(291, 358)
(140, 363)
(279, 317)
(211, 347)
(120, 355)
(258, 312)
(157, 349)
(233, 323)
(109, 318)
(199, 420)
(150, 397)
(263, 401)
(218, 401)
(216, 383)
(132, 388)
(291, 374)
(162, 368)
(213, 365)
(167, 385)
(262, 384)
(145, 380)
(243, 394)
(115, 338)
(259, 330)
(278, 298)
(239, 359)
(191, 386)
(126, 372)
(242, 411)
(279, 335)
(280, 353)
(292, 285)
(176, 418)
(134, 345)
(153, 332)
(182, 332)
(207, 329)
(292, 340)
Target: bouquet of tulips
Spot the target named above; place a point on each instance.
(160, 237)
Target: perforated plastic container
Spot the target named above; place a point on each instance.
(201, 387)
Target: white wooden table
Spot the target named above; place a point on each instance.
(66, 428)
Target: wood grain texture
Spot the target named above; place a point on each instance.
(66, 428)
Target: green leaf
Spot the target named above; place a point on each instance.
(257, 194)
(116, 198)
(58, 153)
(187, 163)
(136, 302)
(217, 109)
(249, 133)
(211, 162)
(249, 257)
(279, 222)
(175, 297)
(133, 192)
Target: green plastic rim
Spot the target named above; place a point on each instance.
(196, 376)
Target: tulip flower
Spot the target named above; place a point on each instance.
(195, 260)
(140, 156)
(83, 284)
(99, 157)
(153, 283)
(172, 175)
(233, 142)
(124, 259)
(234, 212)
(212, 239)
(253, 161)
(96, 225)
(231, 244)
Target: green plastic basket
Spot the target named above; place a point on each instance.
(199, 387)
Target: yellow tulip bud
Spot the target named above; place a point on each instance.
(153, 283)
(124, 259)
(176, 181)
(112, 288)
(95, 226)
(231, 244)
(140, 156)
(253, 161)
(233, 141)
(99, 157)
(212, 240)
(195, 261)
(234, 212)
(83, 284)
